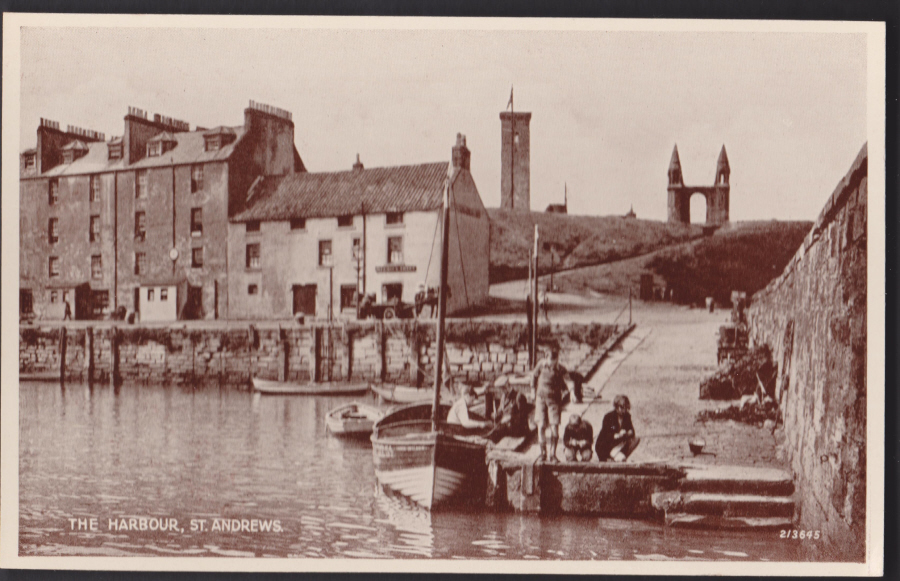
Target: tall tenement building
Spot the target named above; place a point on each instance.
(140, 220)
(515, 161)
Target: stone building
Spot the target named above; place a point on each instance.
(109, 224)
(515, 161)
(308, 242)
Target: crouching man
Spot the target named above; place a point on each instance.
(616, 440)
(577, 439)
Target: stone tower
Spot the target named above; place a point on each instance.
(717, 195)
(515, 161)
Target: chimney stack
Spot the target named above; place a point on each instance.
(461, 153)
(358, 166)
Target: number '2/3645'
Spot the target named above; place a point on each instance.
(801, 535)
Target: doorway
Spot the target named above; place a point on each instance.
(304, 299)
(348, 296)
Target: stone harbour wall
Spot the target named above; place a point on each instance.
(394, 351)
(813, 318)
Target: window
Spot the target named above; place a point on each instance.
(30, 161)
(213, 142)
(115, 150)
(54, 266)
(393, 218)
(395, 250)
(100, 299)
(96, 267)
(53, 230)
(196, 221)
(140, 263)
(140, 184)
(95, 228)
(357, 249)
(197, 257)
(298, 223)
(391, 291)
(54, 192)
(253, 255)
(154, 149)
(325, 258)
(151, 295)
(252, 289)
(54, 296)
(140, 226)
(163, 294)
(345, 221)
(196, 178)
(95, 189)
(253, 226)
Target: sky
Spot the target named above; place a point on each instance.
(607, 107)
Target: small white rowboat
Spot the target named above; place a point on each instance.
(352, 419)
(268, 386)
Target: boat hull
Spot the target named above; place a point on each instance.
(433, 469)
(270, 387)
(402, 394)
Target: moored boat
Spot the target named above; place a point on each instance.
(433, 468)
(352, 419)
(402, 394)
(271, 387)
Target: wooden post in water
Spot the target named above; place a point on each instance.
(114, 357)
(89, 354)
(283, 373)
(62, 354)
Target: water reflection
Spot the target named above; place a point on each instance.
(204, 454)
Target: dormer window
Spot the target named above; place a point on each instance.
(115, 148)
(160, 144)
(215, 139)
(30, 161)
(73, 151)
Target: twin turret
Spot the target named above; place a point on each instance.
(717, 195)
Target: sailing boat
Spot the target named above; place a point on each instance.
(419, 456)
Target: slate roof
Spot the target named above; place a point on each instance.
(405, 188)
(189, 148)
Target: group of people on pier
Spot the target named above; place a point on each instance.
(615, 442)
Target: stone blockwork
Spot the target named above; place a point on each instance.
(396, 351)
(813, 318)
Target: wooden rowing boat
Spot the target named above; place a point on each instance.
(433, 468)
(352, 419)
(271, 387)
(403, 394)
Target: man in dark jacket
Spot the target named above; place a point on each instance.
(510, 415)
(616, 440)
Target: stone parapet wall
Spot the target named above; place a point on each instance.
(395, 351)
(813, 318)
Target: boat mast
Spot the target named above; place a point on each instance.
(442, 304)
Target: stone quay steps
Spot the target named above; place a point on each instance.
(729, 497)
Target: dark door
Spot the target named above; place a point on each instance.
(137, 300)
(304, 299)
(392, 292)
(193, 307)
(348, 296)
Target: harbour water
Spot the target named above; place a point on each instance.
(225, 463)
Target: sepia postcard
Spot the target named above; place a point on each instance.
(457, 295)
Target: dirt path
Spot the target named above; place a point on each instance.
(661, 377)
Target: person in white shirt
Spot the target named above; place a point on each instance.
(459, 413)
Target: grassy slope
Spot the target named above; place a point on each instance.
(581, 240)
(743, 256)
